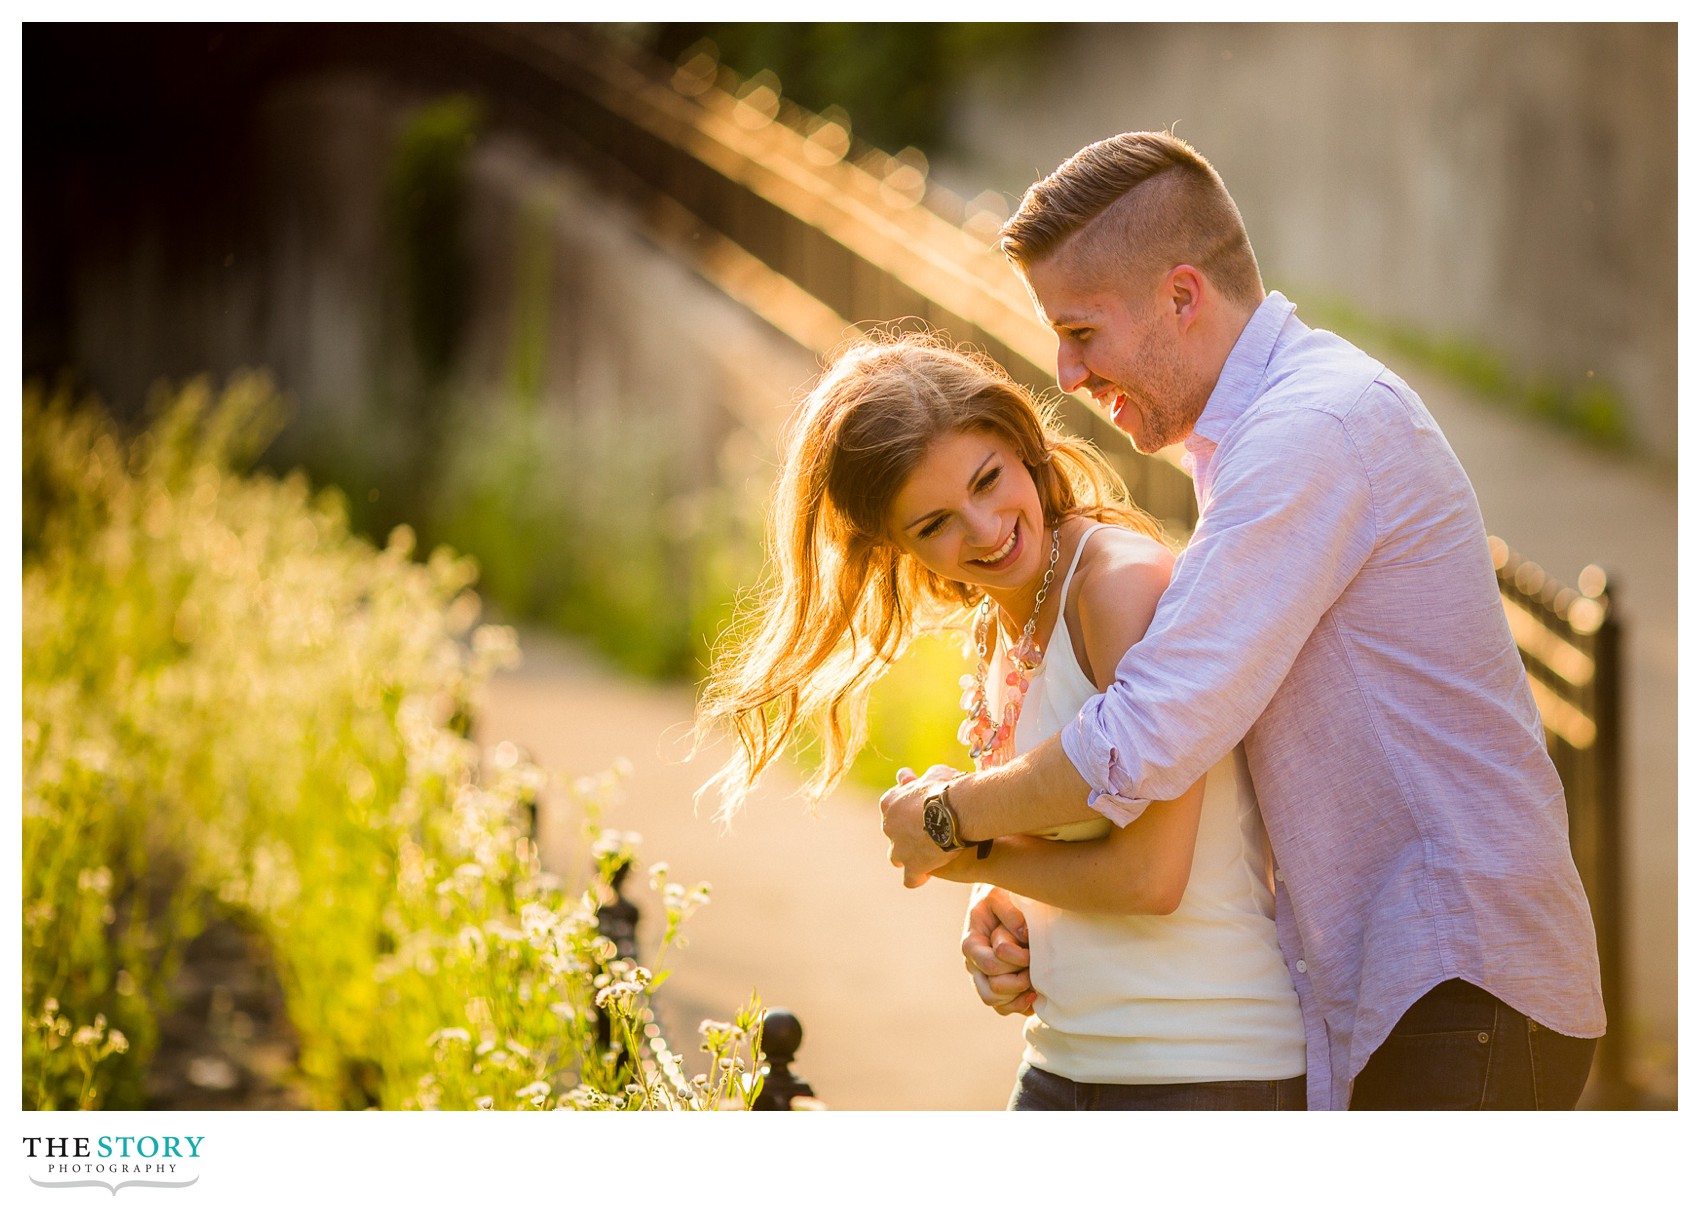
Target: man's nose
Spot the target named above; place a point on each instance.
(1071, 367)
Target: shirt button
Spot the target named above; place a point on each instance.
(1280, 876)
(1301, 966)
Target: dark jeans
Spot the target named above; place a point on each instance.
(1459, 1048)
(1037, 1090)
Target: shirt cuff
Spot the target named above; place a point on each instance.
(1110, 789)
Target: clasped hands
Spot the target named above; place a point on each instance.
(994, 934)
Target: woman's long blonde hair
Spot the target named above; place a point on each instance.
(841, 601)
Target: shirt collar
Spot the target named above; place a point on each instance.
(1242, 374)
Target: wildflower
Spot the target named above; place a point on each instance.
(538, 921)
(494, 641)
(611, 843)
(486, 1103)
(449, 1035)
(619, 995)
(359, 783)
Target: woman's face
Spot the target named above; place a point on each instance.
(970, 512)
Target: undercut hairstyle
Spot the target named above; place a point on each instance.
(842, 600)
(1128, 209)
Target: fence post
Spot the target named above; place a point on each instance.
(1608, 890)
(781, 1036)
(617, 921)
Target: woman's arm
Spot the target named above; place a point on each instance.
(1142, 867)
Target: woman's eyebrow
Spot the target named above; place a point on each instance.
(972, 479)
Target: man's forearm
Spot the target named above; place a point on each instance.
(1039, 790)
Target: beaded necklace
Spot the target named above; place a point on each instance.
(991, 742)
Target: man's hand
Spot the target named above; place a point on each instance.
(900, 812)
(994, 949)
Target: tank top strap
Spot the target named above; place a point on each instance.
(1080, 547)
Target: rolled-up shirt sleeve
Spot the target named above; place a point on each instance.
(1288, 522)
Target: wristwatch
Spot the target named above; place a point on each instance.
(938, 819)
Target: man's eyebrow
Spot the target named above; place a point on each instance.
(990, 455)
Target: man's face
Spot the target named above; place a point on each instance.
(1122, 347)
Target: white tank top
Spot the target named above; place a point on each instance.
(1198, 995)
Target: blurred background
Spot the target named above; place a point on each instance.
(544, 294)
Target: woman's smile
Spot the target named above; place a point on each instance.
(1005, 555)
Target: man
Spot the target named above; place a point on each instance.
(1337, 609)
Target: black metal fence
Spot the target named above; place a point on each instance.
(1571, 644)
(820, 235)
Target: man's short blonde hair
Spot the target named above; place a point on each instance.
(1141, 204)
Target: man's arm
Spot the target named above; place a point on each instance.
(1039, 790)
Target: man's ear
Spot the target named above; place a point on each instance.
(1184, 288)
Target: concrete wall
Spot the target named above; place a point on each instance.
(1511, 185)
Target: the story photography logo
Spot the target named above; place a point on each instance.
(114, 1161)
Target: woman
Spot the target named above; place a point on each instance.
(921, 489)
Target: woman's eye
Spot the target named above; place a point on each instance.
(990, 478)
(931, 528)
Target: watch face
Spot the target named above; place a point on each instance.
(935, 819)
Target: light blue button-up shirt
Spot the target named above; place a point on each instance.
(1337, 610)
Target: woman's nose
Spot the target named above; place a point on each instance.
(981, 526)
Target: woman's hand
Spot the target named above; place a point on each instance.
(994, 949)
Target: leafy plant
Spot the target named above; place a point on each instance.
(234, 705)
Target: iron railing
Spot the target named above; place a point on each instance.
(1571, 642)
